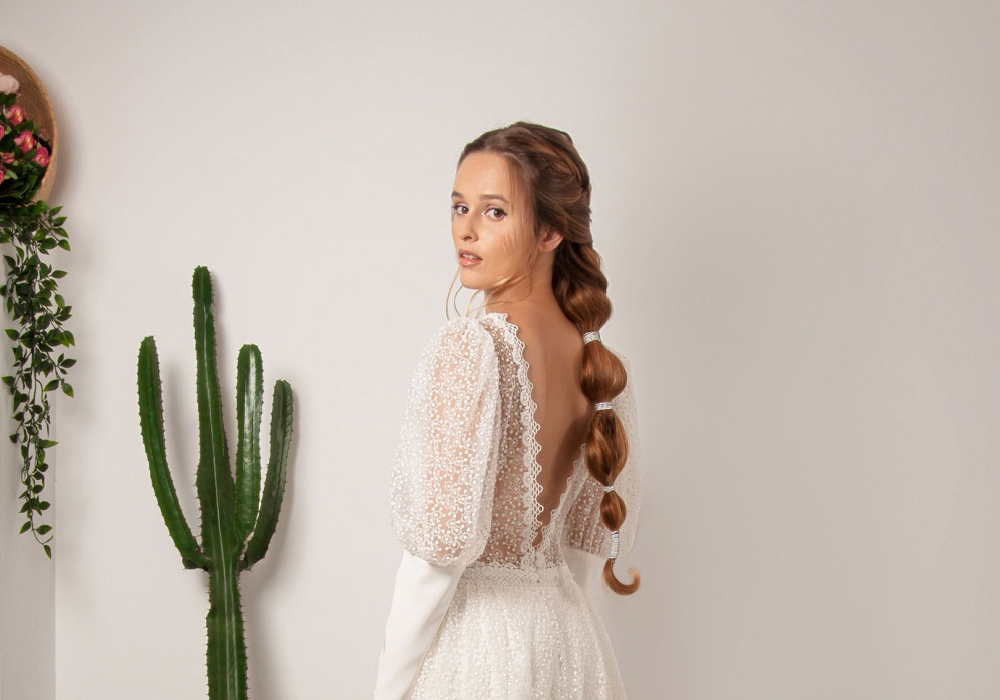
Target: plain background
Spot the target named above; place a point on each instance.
(797, 206)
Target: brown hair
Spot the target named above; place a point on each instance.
(549, 173)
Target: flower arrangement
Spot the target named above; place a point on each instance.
(31, 297)
(24, 154)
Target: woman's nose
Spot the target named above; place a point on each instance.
(464, 228)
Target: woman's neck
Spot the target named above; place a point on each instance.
(528, 298)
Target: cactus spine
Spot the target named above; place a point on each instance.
(235, 534)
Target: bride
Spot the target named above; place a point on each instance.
(518, 467)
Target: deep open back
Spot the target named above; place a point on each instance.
(475, 480)
(554, 464)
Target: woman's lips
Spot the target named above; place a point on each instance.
(462, 260)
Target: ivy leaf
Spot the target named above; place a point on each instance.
(32, 301)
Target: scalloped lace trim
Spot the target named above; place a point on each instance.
(532, 468)
(570, 485)
(532, 508)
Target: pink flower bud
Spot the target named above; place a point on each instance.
(6, 157)
(26, 141)
(15, 115)
(42, 156)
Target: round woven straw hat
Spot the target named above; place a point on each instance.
(37, 108)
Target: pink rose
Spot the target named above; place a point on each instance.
(15, 115)
(26, 141)
(42, 156)
(6, 157)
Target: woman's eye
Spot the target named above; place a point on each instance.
(459, 209)
(495, 213)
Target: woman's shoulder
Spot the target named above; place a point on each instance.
(462, 326)
(461, 336)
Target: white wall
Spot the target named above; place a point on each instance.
(27, 582)
(797, 208)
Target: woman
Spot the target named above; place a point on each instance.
(519, 446)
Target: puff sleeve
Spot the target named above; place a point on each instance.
(442, 481)
(583, 529)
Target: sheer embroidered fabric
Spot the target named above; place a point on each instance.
(464, 491)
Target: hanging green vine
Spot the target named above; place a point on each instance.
(39, 311)
(30, 292)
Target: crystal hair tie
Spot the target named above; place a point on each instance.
(603, 406)
(609, 489)
(614, 544)
(591, 335)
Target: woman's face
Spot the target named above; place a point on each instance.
(486, 217)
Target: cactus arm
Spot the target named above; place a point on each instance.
(249, 407)
(227, 652)
(274, 482)
(151, 422)
(214, 479)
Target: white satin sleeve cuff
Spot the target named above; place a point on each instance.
(420, 600)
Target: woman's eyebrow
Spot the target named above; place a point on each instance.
(459, 195)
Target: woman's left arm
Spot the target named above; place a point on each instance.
(420, 599)
(441, 491)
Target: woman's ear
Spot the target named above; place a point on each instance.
(550, 241)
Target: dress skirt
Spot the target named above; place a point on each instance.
(515, 634)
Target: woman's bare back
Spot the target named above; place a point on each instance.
(553, 349)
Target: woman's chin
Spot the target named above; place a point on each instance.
(471, 280)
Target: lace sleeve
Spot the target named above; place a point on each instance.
(441, 487)
(583, 529)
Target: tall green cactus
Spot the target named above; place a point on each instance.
(234, 533)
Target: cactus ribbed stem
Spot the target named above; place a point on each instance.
(227, 651)
(235, 533)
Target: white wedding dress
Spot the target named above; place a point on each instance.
(479, 609)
